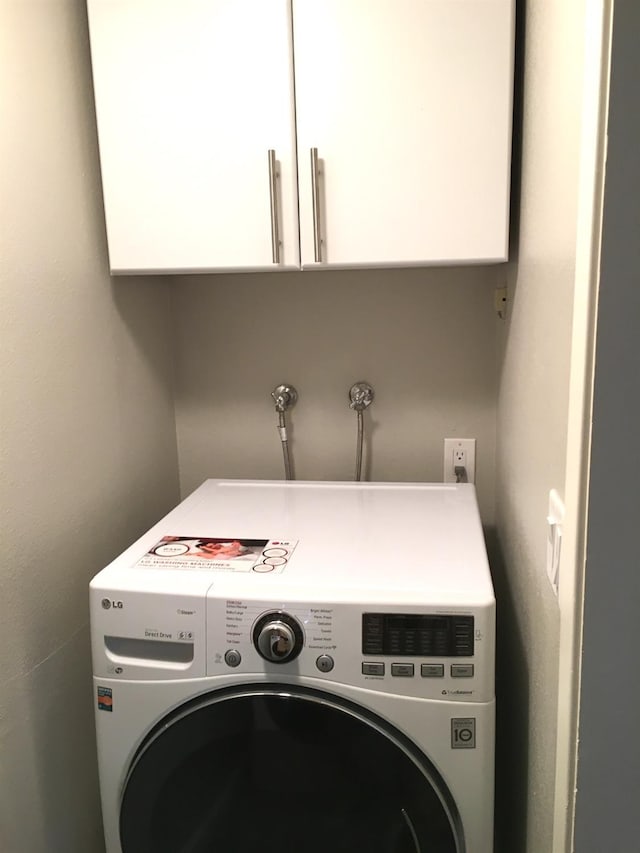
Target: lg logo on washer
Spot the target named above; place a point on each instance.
(108, 603)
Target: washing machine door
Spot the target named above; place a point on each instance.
(277, 769)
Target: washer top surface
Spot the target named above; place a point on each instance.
(400, 542)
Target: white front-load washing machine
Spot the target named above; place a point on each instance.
(292, 666)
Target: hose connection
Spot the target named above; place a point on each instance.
(360, 396)
(284, 396)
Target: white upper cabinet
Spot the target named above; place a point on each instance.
(191, 95)
(406, 105)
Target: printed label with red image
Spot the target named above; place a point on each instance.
(105, 699)
(221, 553)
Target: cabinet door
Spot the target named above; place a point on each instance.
(190, 97)
(408, 103)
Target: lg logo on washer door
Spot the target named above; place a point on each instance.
(107, 603)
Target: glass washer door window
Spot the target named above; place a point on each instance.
(278, 769)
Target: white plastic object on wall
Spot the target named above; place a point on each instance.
(555, 520)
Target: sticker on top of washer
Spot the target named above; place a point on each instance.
(219, 554)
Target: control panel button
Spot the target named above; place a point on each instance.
(461, 670)
(373, 669)
(275, 561)
(232, 657)
(275, 552)
(432, 670)
(325, 663)
(404, 670)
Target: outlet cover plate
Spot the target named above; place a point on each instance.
(468, 445)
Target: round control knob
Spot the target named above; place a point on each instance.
(278, 637)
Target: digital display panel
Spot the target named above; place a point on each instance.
(417, 635)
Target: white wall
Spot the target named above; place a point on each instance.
(425, 340)
(88, 448)
(532, 415)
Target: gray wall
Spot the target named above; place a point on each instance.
(88, 451)
(607, 816)
(425, 339)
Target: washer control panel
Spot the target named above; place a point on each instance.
(437, 649)
(426, 655)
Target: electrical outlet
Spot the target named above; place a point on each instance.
(459, 453)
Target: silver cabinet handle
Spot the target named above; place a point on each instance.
(273, 198)
(315, 202)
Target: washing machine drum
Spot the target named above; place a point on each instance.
(277, 769)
